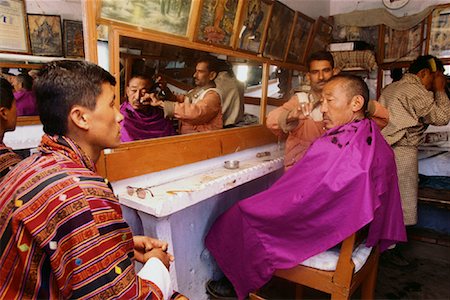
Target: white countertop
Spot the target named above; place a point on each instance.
(196, 182)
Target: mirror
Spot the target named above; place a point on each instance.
(167, 71)
(21, 77)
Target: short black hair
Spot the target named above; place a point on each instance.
(213, 62)
(321, 55)
(354, 86)
(429, 62)
(6, 93)
(26, 81)
(63, 84)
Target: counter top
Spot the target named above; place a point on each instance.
(200, 181)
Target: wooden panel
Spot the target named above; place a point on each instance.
(143, 157)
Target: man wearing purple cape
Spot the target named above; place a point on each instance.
(142, 121)
(347, 179)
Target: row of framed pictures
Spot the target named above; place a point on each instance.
(256, 26)
(38, 34)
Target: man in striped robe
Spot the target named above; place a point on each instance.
(62, 232)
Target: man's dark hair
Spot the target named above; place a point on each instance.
(63, 84)
(321, 55)
(429, 62)
(354, 86)
(213, 63)
(26, 81)
(6, 93)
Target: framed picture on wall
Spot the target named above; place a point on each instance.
(277, 33)
(13, 28)
(45, 35)
(321, 37)
(403, 45)
(163, 16)
(217, 21)
(255, 17)
(302, 33)
(73, 39)
(439, 33)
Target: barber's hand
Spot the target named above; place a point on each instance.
(145, 100)
(163, 256)
(439, 82)
(300, 113)
(144, 244)
(154, 101)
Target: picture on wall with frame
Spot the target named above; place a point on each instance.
(403, 45)
(162, 16)
(439, 33)
(277, 33)
(255, 17)
(322, 34)
(45, 34)
(302, 31)
(217, 19)
(13, 27)
(73, 39)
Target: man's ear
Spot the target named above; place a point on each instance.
(357, 103)
(422, 73)
(212, 75)
(79, 117)
(4, 113)
(336, 71)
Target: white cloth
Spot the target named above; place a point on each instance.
(155, 271)
(327, 260)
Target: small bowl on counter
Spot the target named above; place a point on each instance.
(231, 164)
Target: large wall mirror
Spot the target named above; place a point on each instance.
(239, 78)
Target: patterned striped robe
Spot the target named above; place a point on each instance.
(411, 109)
(8, 159)
(62, 231)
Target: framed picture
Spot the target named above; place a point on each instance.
(277, 33)
(321, 35)
(73, 39)
(302, 32)
(403, 45)
(439, 33)
(163, 16)
(13, 28)
(255, 17)
(45, 35)
(217, 21)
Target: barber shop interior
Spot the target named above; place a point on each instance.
(224, 149)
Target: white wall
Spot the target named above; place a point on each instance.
(413, 6)
(311, 8)
(67, 9)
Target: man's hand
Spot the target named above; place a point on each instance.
(144, 245)
(158, 253)
(154, 101)
(439, 82)
(300, 113)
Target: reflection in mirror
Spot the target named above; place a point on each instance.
(22, 81)
(168, 90)
(284, 83)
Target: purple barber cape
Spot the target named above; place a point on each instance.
(140, 125)
(347, 179)
(26, 103)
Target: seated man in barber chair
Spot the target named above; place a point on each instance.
(346, 180)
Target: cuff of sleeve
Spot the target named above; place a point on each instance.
(371, 108)
(155, 271)
(169, 109)
(441, 96)
(282, 122)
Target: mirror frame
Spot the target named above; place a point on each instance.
(142, 157)
(24, 120)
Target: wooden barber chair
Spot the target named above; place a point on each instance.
(340, 283)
